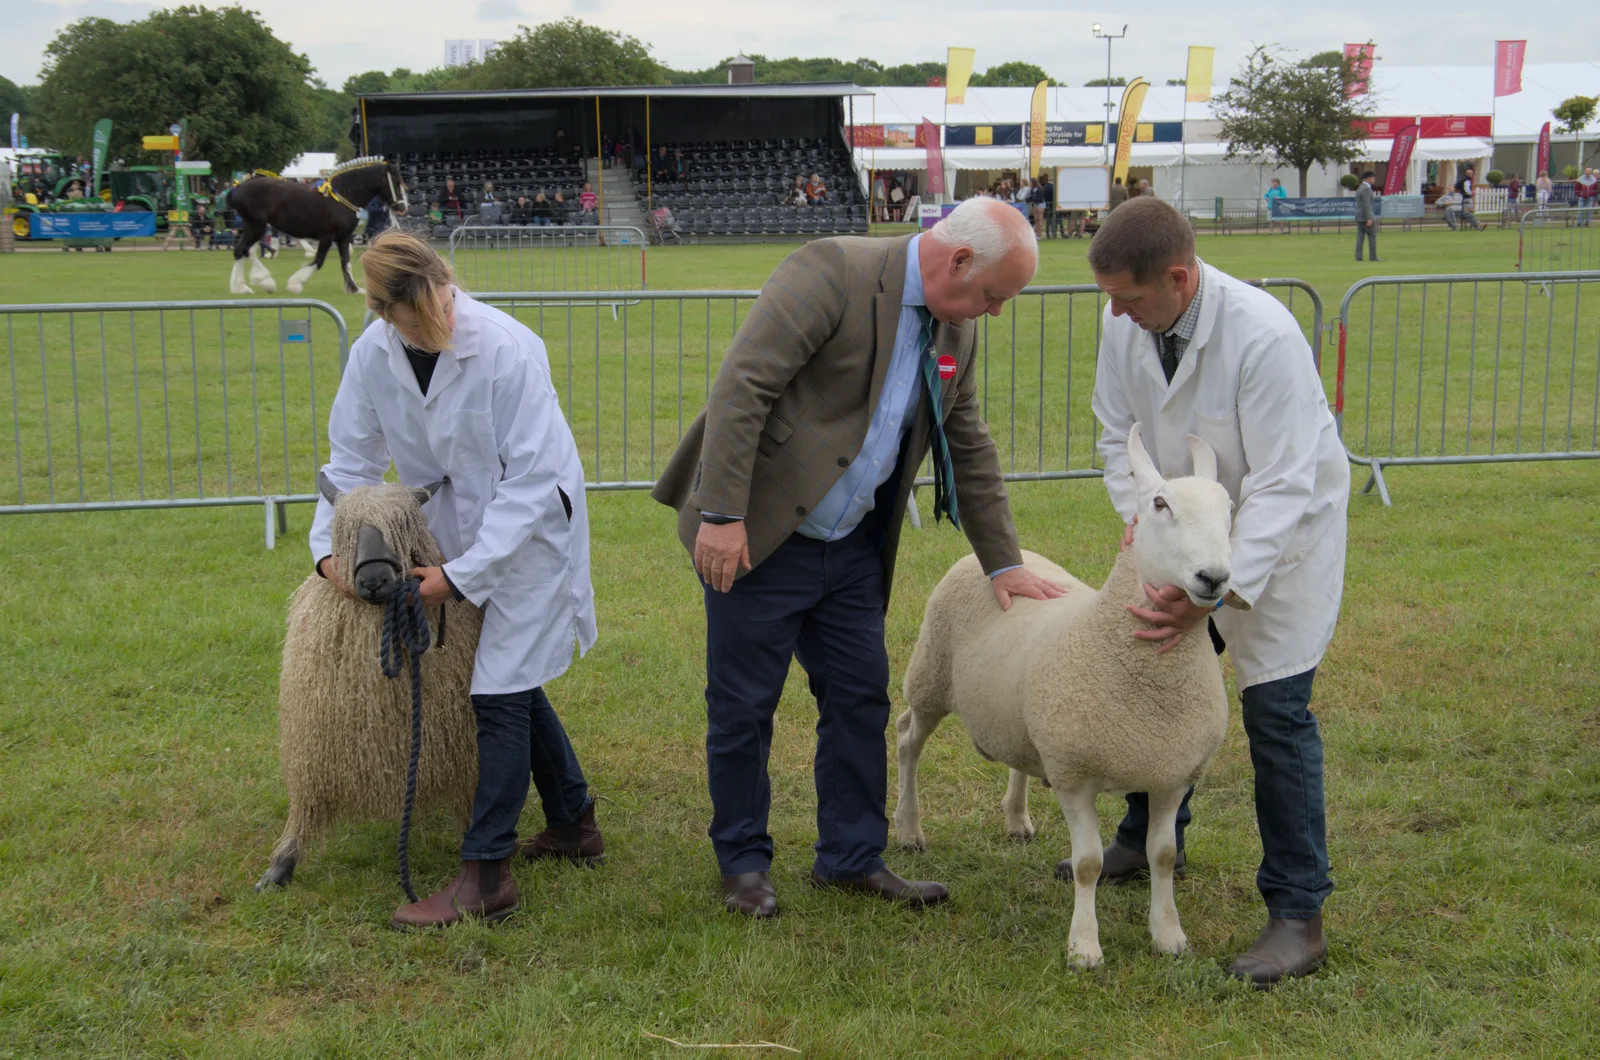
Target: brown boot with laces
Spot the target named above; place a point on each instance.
(580, 843)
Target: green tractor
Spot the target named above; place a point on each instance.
(36, 174)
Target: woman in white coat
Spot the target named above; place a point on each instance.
(450, 389)
(1186, 349)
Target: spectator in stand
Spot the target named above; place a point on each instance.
(450, 199)
(621, 152)
(1541, 190)
(1044, 204)
(588, 205)
(560, 210)
(606, 153)
(662, 173)
(1586, 189)
(1274, 192)
(488, 205)
(1119, 194)
(541, 210)
(796, 196)
(816, 190)
(522, 211)
(680, 167)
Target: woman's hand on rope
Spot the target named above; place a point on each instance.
(435, 588)
(329, 568)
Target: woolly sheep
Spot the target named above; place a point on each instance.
(345, 728)
(1061, 689)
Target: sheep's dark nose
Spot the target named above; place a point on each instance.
(375, 582)
(1212, 578)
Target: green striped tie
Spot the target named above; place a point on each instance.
(944, 472)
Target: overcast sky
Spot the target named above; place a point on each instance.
(342, 37)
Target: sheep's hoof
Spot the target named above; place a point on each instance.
(1085, 960)
(913, 839)
(278, 874)
(1172, 944)
(1022, 833)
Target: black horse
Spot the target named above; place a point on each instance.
(326, 215)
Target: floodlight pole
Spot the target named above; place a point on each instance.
(1105, 135)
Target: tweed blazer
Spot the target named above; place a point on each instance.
(792, 401)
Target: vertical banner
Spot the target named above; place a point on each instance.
(1394, 180)
(1127, 116)
(1543, 166)
(930, 136)
(1197, 81)
(97, 157)
(15, 143)
(1036, 125)
(958, 71)
(1508, 66)
(1362, 55)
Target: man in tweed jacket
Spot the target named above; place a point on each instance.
(790, 489)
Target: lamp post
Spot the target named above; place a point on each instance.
(1105, 135)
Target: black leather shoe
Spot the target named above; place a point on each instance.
(1119, 865)
(1283, 950)
(887, 885)
(751, 894)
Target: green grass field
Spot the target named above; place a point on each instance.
(141, 791)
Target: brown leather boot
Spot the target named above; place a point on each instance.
(579, 843)
(482, 889)
(750, 893)
(1119, 865)
(885, 884)
(1283, 950)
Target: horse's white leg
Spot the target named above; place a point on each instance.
(236, 282)
(259, 273)
(1161, 847)
(1019, 825)
(913, 728)
(1083, 944)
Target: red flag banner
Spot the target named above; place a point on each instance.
(930, 138)
(1508, 66)
(1363, 55)
(1394, 179)
(1544, 151)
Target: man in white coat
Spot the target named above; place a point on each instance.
(1186, 349)
(454, 391)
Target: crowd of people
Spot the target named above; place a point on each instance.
(491, 208)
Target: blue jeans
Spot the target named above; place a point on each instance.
(820, 602)
(519, 735)
(1286, 751)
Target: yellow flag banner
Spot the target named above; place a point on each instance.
(958, 71)
(1127, 119)
(1198, 79)
(1036, 130)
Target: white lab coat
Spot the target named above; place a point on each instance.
(491, 427)
(1247, 385)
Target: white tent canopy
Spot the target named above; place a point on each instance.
(311, 165)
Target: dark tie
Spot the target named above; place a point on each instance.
(944, 472)
(1169, 354)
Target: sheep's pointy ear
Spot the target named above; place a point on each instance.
(325, 486)
(1140, 466)
(1202, 456)
(424, 494)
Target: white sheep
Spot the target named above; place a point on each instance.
(1062, 690)
(346, 728)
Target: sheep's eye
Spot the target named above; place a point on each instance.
(1160, 504)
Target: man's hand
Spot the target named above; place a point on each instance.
(435, 587)
(1170, 613)
(329, 569)
(1022, 582)
(720, 550)
(1127, 535)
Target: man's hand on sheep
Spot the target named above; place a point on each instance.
(435, 587)
(719, 551)
(1127, 534)
(329, 568)
(1022, 582)
(1170, 614)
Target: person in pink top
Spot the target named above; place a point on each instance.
(588, 201)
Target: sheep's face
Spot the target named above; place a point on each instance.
(1184, 524)
(379, 535)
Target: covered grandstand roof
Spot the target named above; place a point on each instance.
(772, 91)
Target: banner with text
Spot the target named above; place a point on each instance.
(92, 225)
(1543, 166)
(930, 137)
(1362, 55)
(1394, 179)
(958, 71)
(1197, 81)
(1508, 66)
(1036, 125)
(1127, 125)
(1392, 207)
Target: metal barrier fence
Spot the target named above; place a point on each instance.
(1559, 240)
(1464, 367)
(584, 258)
(168, 404)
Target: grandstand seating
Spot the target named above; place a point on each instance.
(733, 187)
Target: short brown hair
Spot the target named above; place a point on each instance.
(401, 269)
(1141, 237)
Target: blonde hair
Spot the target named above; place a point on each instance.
(402, 270)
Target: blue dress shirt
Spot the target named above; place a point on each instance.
(850, 499)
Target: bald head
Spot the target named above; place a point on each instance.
(976, 259)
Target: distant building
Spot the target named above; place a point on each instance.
(465, 51)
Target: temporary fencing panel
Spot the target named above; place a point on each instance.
(1563, 240)
(549, 258)
(167, 404)
(1469, 369)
